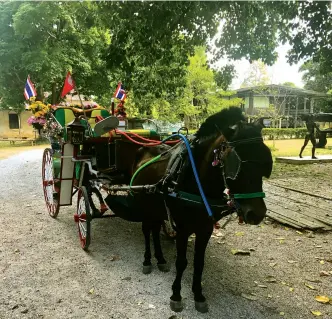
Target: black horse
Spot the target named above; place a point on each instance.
(229, 154)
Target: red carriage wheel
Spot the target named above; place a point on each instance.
(83, 217)
(51, 185)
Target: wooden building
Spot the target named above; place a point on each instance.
(285, 102)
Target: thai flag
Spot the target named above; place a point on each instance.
(29, 89)
(120, 93)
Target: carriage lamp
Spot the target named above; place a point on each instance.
(76, 132)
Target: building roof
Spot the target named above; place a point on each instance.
(282, 89)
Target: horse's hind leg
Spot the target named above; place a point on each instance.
(147, 266)
(181, 265)
(162, 264)
(201, 241)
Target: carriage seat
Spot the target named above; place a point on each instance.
(64, 115)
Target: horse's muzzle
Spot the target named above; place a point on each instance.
(253, 210)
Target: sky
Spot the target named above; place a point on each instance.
(280, 72)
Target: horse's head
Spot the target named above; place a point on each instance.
(245, 159)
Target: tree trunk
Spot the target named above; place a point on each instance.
(54, 95)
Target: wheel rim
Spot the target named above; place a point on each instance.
(83, 217)
(50, 192)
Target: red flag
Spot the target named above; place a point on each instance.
(69, 85)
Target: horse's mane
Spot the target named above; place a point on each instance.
(220, 122)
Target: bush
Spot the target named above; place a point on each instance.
(284, 133)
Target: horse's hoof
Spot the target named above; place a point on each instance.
(163, 267)
(147, 269)
(201, 306)
(176, 306)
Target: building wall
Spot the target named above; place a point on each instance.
(25, 130)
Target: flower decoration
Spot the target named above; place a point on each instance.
(39, 111)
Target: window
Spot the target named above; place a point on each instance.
(14, 122)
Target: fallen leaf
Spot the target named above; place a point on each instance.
(220, 234)
(284, 283)
(282, 313)
(239, 233)
(91, 291)
(240, 252)
(322, 262)
(281, 241)
(151, 306)
(309, 286)
(272, 264)
(249, 297)
(300, 233)
(316, 313)
(126, 278)
(313, 280)
(318, 246)
(292, 261)
(261, 286)
(286, 228)
(271, 279)
(114, 258)
(291, 289)
(322, 299)
(324, 273)
(280, 238)
(269, 296)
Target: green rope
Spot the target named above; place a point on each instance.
(249, 195)
(145, 165)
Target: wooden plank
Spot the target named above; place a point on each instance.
(294, 216)
(283, 219)
(304, 203)
(301, 198)
(301, 192)
(304, 216)
(310, 212)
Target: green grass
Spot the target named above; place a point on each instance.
(292, 148)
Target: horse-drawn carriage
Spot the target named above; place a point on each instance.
(197, 181)
(94, 152)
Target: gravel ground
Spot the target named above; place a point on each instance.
(45, 274)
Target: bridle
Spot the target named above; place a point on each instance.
(221, 154)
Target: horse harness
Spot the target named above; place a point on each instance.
(226, 157)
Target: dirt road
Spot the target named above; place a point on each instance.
(45, 274)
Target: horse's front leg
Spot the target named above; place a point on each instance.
(161, 262)
(146, 228)
(181, 264)
(202, 238)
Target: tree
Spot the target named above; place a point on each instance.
(144, 44)
(257, 75)
(290, 84)
(312, 36)
(45, 40)
(315, 80)
(224, 76)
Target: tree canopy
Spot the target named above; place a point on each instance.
(146, 45)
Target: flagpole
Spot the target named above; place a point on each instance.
(81, 102)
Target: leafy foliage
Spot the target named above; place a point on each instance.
(257, 75)
(146, 44)
(315, 80)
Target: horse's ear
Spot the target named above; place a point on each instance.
(260, 123)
